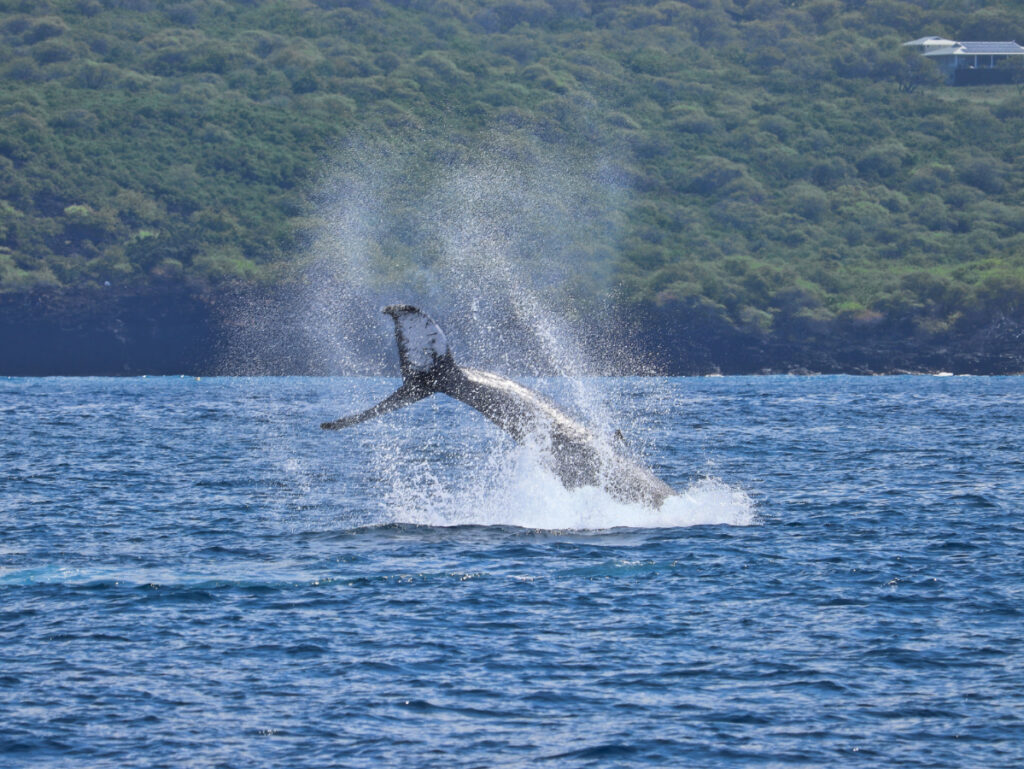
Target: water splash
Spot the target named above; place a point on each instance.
(514, 489)
(508, 243)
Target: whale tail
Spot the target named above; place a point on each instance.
(423, 348)
(425, 358)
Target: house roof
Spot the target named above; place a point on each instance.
(979, 49)
(932, 41)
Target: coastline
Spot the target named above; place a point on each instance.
(184, 330)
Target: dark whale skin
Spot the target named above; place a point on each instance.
(575, 454)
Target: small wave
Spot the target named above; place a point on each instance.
(102, 578)
(516, 490)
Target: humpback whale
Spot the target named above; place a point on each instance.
(575, 454)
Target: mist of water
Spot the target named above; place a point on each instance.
(509, 244)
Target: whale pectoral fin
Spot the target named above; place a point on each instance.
(403, 396)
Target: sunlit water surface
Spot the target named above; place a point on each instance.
(193, 574)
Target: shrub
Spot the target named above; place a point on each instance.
(882, 160)
(53, 52)
(44, 29)
(712, 174)
(23, 70)
(441, 65)
(531, 12)
(694, 120)
(183, 14)
(930, 211)
(829, 173)
(808, 201)
(984, 172)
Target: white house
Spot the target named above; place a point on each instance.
(971, 63)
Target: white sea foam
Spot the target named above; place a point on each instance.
(514, 489)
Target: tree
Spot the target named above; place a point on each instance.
(911, 70)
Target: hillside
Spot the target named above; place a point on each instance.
(783, 173)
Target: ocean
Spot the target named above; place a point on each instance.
(193, 574)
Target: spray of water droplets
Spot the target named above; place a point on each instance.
(510, 246)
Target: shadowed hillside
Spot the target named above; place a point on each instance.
(784, 176)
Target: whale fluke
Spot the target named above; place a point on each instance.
(422, 346)
(573, 452)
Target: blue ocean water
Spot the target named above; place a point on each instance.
(193, 574)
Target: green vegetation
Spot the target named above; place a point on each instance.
(783, 160)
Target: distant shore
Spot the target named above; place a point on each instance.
(185, 331)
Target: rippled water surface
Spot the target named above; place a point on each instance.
(193, 574)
